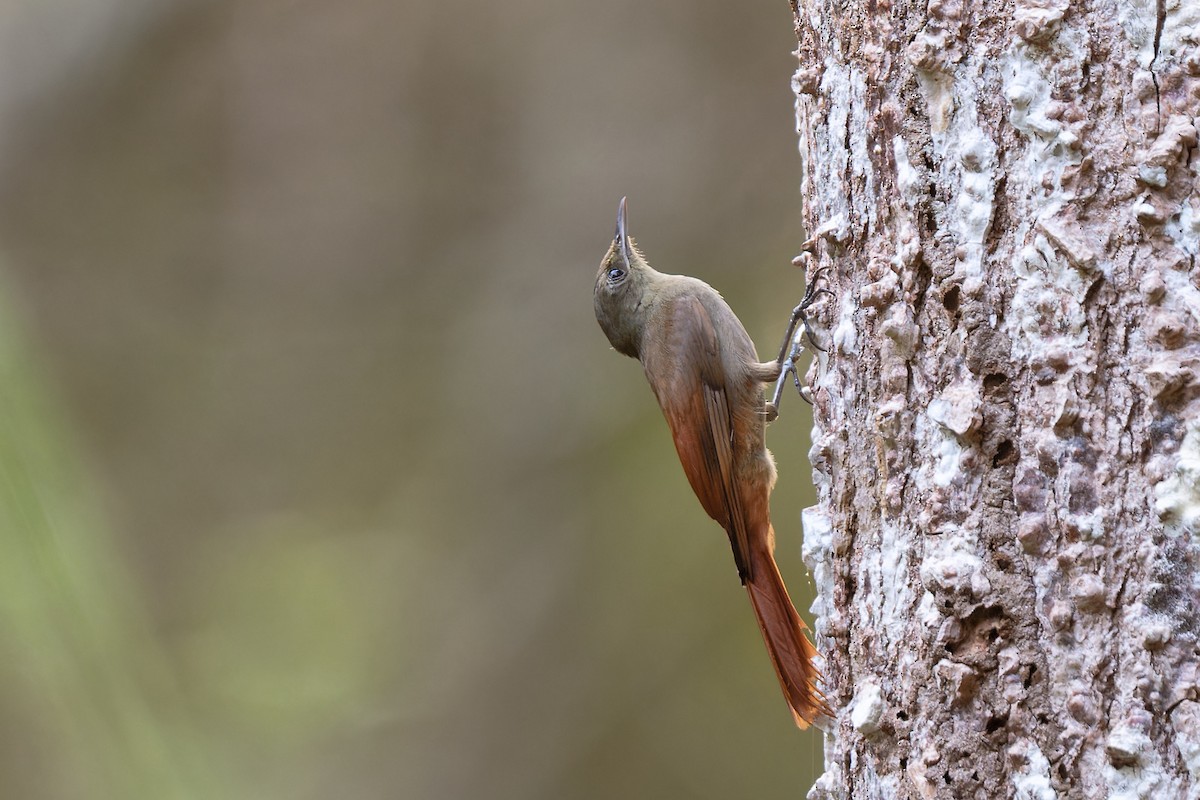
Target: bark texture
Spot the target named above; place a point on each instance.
(1007, 440)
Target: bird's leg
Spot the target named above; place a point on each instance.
(793, 345)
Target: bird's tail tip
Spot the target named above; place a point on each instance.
(792, 654)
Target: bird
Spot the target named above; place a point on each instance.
(704, 371)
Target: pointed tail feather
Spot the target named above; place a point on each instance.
(783, 631)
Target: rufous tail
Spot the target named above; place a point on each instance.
(783, 631)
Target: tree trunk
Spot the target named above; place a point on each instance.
(1007, 439)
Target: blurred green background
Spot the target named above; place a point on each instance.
(317, 477)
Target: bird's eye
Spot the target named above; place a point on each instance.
(616, 275)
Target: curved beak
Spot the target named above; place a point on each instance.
(622, 238)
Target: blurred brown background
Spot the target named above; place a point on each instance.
(318, 478)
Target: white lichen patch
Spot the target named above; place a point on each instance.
(967, 156)
(1177, 497)
(977, 186)
(1093, 525)
(1056, 256)
(1139, 19)
(1186, 719)
(935, 435)
(928, 612)
(866, 710)
(835, 228)
(817, 554)
(1134, 769)
(1183, 227)
(845, 332)
(1047, 303)
(831, 783)
(1029, 94)
(860, 160)
(908, 179)
(956, 408)
(886, 569)
(947, 453)
(1181, 25)
(1128, 745)
(1152, 175)
(843, 143)
(952, 564)
(1031, 781)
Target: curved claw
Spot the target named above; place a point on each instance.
(812, 291)
(805, 395)
(810, 297)
(791, 348)
(808, 335)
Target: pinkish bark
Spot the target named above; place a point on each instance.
(1007, 438)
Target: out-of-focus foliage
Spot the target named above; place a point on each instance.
(318, 478)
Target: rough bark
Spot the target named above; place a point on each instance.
(1007, 440)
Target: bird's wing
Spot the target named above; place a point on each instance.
(692, 392)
